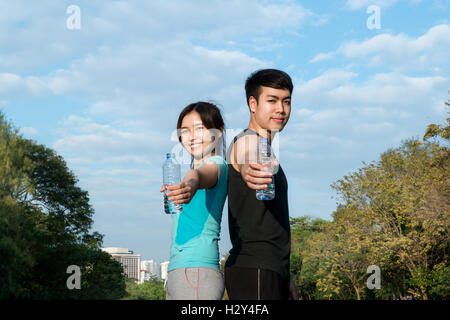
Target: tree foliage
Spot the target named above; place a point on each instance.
(152, 289)
(45, 222)
(393, 213)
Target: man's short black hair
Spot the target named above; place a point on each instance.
(272, 78)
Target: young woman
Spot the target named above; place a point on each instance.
(193, 272)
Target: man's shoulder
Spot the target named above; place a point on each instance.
(242, 139)
(242, 149)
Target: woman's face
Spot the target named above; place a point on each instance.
(196, 138)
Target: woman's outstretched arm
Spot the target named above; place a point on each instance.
(204, 177)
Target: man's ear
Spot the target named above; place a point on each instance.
(252, 104)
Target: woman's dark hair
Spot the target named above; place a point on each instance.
(210, 115)
(272, 78)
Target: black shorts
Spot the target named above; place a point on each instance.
(255, 284)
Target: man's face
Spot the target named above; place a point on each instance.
(273, 108)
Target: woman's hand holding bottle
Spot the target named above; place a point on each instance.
(184, 191)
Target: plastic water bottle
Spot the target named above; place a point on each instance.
(264, 157)
(171, 175)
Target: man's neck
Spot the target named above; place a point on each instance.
(261, 131)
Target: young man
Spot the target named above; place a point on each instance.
(258, 265)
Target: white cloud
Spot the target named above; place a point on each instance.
(430, 49)
(398, 51)
(28, 131)
(311, 91)
(328, 115)
(373, 128)
(303, 112)
(140, 79)
(84, 136)
(42, 26)
(393, 90)
(321, 57)
(359, 4)
(440, 108)
(15, 86)
(339, 111)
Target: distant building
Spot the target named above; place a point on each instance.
(149, 269)
(131, 262)
(164, 266)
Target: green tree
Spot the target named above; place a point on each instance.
(304, 270)
(405, 196)
(393, 213)
(435, 130)
(17, 260)
(45, 219)
(152, 289)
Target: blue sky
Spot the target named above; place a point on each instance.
(107, 96)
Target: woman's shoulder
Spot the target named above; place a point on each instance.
(217, 159)
(222, 166)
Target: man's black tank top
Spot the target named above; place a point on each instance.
(259, 230)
